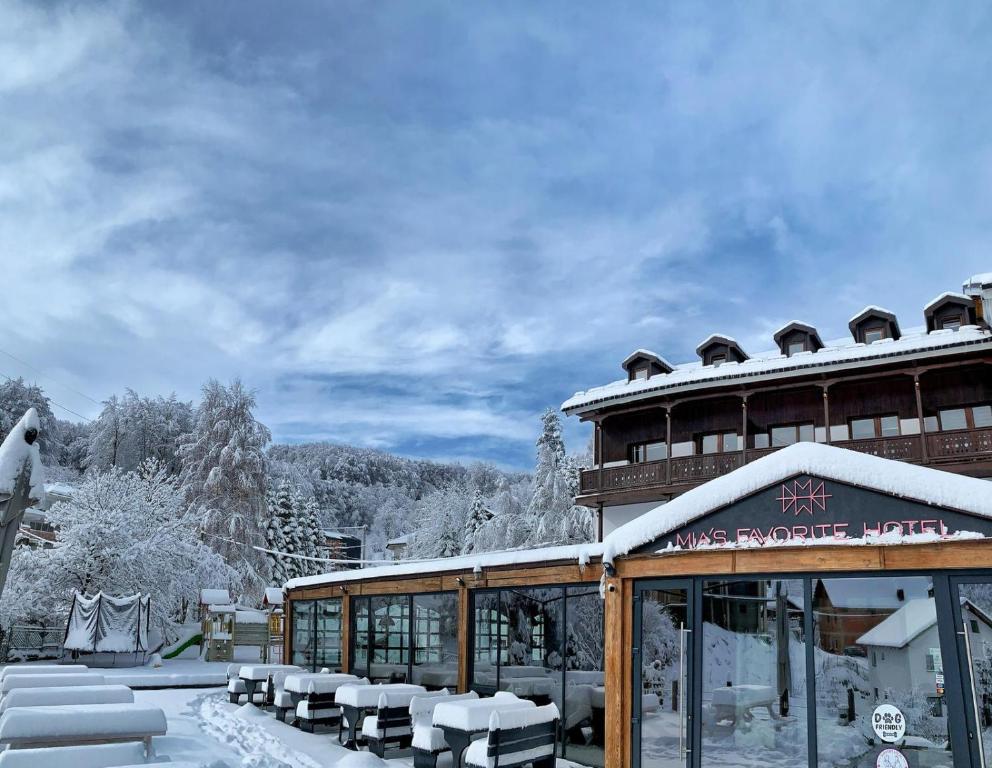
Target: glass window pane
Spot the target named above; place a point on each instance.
(753, 673)
(583, 717)
(641, 373)
(889, 426)
(976, 604)
(328, 639)
(657, 451)
(637, 454)
(360, 636)
(710, 443)
(862, 429)
(534, 643)
(953, 418)
(665, 687)
(930, 424)
(982, 415)
(390, 639)
(782, 436)
(761, 440)
(303, 636)
(435, 641)
(951, 323)
(795, 347)
(730, 442)
(489, 632)
(873, 334)
(806, 433)
(870, 651)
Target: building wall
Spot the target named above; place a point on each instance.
(614, 517)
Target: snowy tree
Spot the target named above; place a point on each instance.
(280, 512)
(312, 535)
(441, 517)
(478, 517)
(121, 533)
(16, 396)
(133, 428)
(224, 477)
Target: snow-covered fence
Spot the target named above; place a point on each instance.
(30, 641)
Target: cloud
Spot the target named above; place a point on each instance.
(450, 242)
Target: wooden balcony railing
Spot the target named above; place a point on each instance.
(942, 448)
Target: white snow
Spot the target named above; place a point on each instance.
(474, 562)
(914, 344)
(12, 682)
(81, 720)
(81, 694)
(215, 597)
(250, 617)
(262, 671)
(946, 295)
(172, 673)
(274, 596)
(914, 618)
(84, 756)
(318, 682)
(399, 694)
(922, 484)
(473, 715)
(15, 453)
(42, 669)
(647, 353)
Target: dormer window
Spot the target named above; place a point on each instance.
(874, 334)
(951, 323)
(795, 337)
(717, 350)
(873, 324)
(717, 360)
(641, 364)
(950, 311)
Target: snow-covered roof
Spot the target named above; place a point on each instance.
(851, 593)
(871, 309)
(215, 597)
(580, 553)
(400, 541)
(923, 484)
(903, 626)
(647, 354)
(947, 295)
(719, 338)
(981, 279)
(273, 596)
(15, 452)
(840, 354)
(60, 489)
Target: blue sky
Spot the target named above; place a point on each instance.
(415, 225)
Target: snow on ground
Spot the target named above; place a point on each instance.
(172, 673)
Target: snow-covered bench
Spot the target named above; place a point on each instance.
(735, 702)
(313, 697)
(517, 737)
(81, 724)
(72, 679)
(392, 721)
(428, 741)
(235, 685)
(256, 677)
(81, 694)
(42, 669)
(357, 701)
(88, 756)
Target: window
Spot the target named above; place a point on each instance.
(981, 416)
(874, 334)
(951, 323)
(718, 360)
(974, 626)
(795, 347)
(792, 433)
(641, 373)
(953, 418)
(719, 442)
(971, 417)
(874, 426)
(648, 452)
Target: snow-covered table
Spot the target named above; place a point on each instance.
(463, 720)
(253, 674)
(42, 669)
(13, 682)
(317, 682)
(80, 694)
(312, 695)
(735, 702)
(531, 687)
(81, 724)
(356, 701)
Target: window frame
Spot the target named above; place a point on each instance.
(796, 425)
(876, 421)
(803, 347)
(880, 329)
(721, 442)
(636, 449)
(952, 322)
(718, 359)
(969, 417)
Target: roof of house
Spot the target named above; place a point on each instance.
(273, 596)
(957, 298)
(852, 593)
(580, 553)
(903, 626)
(841, 354)
(646, 354)
(215, 597)
(896, 478)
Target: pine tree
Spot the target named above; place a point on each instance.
(224, 479)
(312, 536)
(477, 518)
(279, 535)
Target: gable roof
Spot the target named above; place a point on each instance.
(895, 478)
(719, 338)
(797, 325)
(911, 621)
(650, 356)
(850, 593)
(874, 311)
(948, 297)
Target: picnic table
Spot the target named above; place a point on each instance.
(253, 674)
(531, 687)
(356, 701)
(302, 684)
(735, 702)
(466, 719)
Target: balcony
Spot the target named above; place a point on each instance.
(653, 480)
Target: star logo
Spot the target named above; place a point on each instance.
(803, 496)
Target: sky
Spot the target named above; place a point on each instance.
(415, 225)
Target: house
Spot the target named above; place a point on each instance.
(341, 546)
(399, 545)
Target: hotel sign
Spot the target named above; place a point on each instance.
(810, 510)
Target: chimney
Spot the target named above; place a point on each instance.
(979, 287)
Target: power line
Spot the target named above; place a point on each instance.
(53, 402)
(50, 378)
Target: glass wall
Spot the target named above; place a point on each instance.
(316, 634)
(403, 638)
(545, 644)
(753, 672)
(877, 647)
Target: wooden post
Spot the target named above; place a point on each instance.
(743, 429)
(464, 606)
(599, 523)
(599, 456)
(345, 633)
(616, 650)
(826, 410)
(919, 414)
(668, 445)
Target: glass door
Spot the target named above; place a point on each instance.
(973, 627)
(662, 662)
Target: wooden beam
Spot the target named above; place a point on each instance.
(464, 619)
(614, 643)
(826, 412)
(919, 415)
(345, 633)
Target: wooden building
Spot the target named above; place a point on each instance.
(759, 596)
